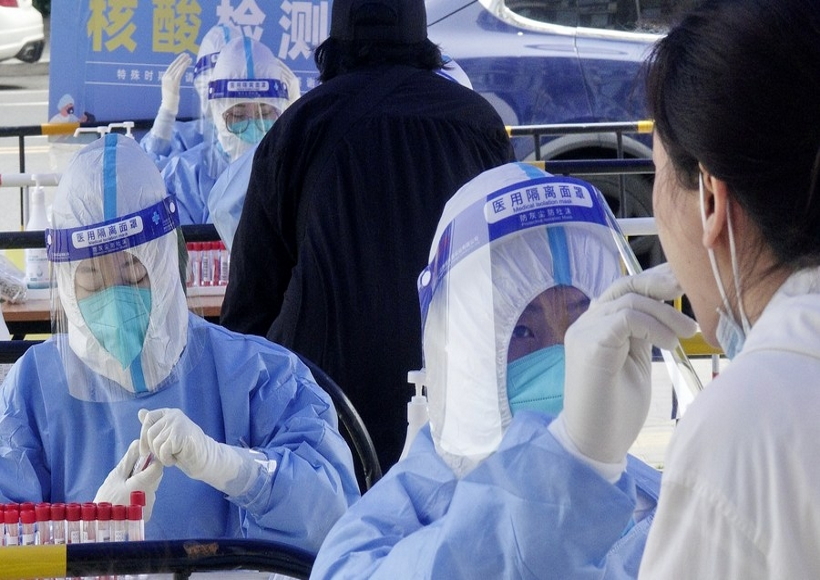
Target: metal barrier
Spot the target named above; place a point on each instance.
(180, 557)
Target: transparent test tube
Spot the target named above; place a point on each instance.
(27, 527)
(42, 511)
(11, 531)
(73, 515)
(58, 523)
(104, 522)
(119, 530)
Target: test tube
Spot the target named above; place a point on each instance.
(88, 523)
(135, 523)
(73, 515)
(224, 264)
(119, 530)
(58, 523)
(42, 511)
(27, 528)
(104, 522)
(11, 532)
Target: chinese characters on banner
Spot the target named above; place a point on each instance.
(108, 56)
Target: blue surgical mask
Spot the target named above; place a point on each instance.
(536, 381)
(118, 317)
(254, 131)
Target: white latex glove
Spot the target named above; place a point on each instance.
(608, 366)
(169, 106)
(117, 487)
(171, 80)
(176, 440)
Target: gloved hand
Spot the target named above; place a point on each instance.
(608, 366)
(176, 440)
(119, 484)
(169, 106)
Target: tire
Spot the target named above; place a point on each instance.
(638, 204)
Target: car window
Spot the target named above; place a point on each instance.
(629, 15)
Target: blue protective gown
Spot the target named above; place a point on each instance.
(240, 390)
(499, 521)
(189, 177)
(227, 196)
(184, 135)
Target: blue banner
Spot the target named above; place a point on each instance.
(108, 56)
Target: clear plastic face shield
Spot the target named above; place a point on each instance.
(212, 43)
(119, 315)
(251, 88)
(517, 257)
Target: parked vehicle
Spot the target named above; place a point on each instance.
(21, 31)
(562, 61)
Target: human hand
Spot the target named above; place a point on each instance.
(171, 80)
(608, 361)
(117, 487)
(176, 440)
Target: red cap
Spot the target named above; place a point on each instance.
(89, 511)
(73, 512)
(27, 505)
(138, 498)
(43, 512)
(28, 517)
(134, 512)
(118, 512)
(57, 511)
(103, 511)
(11, 516)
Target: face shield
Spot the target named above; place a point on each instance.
(516, 259)
(120, 314)
(249, 91)
(213, 42)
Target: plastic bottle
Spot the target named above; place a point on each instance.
(37, 274)
(416, 410)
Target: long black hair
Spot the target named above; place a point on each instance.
(735, 86)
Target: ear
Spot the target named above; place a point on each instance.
(715, 207)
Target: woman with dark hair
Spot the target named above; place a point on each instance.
(733, 91)
(344, 198)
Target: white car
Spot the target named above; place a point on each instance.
(21, 31)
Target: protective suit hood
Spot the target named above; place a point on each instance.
(247, 72)
(503, 238)
(112, 199)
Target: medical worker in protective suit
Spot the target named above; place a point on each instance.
(517, 257)
(169, 137)
(244, 443)
(248, 91)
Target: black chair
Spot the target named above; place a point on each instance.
(368, 469)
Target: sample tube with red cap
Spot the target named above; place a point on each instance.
(27, 527)
(42, 512)
(73, 516)
(136, 525)
(58, 523)
(119, 529)
(11, 527)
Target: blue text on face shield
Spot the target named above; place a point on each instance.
(253, 131)
(536, 381)
(118, 317)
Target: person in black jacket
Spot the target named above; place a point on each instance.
(343, 201)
